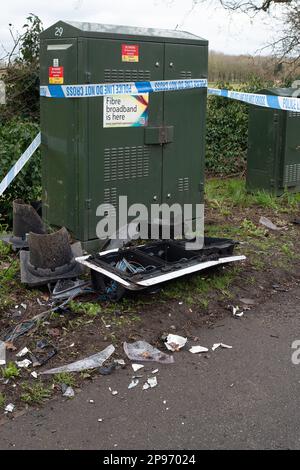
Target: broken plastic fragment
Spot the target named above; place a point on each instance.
(34, 375)
(9, 408)
(217, 345)
(120, 362)
(152, 382)
(23, 352)
(175, 342)
(91, 362)
(236, 312)
(24, 364)
(2, 353)
(155, 371)
(146, 386)
(69, 393)
(268, 223)
(143, 351)
(198, 349)
(137, 367)
(133, 384)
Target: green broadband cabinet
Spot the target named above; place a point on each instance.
(273, 161)
(91, 155)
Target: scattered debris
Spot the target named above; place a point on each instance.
(69, 393)
(9, 408)
(268, 223)
(175, 342)
(222, 345)
(23, 352)
(236, 312)
(152, 381)
(113, 392)
(91, 362)
(91, 402)
(34, 375)
(198, 349)
(146, 386)
(120, 362)
(133, 384)
(155, 371)
(107, 370)
(68, 288)
(280, 288)
(2, 353)
(24, 364)
(42, 264)
(137, 367)
(143, 351)
(43, 353)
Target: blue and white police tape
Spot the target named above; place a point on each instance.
(111, 89)
(20, 164)
(267, 101)
(138, 88)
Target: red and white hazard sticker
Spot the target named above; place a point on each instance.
(56, 75)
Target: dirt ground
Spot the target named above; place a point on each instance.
(88, 325)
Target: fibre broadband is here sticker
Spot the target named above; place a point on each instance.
(126, 111)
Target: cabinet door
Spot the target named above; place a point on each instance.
(59, 135)
(292, 150)
(122, 160)
(183, 159)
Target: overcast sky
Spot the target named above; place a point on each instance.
(231, 33)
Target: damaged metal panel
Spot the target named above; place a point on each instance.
(154, 263)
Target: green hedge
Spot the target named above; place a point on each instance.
(227, 129)
(15, 136)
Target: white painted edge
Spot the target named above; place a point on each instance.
(189, 270)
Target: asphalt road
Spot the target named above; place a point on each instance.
(244, 398)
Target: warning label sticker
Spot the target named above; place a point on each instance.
(130, 53)
(56, 75)
(126, 111)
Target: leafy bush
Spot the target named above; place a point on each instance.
(15, 136)
(22, 74)
(227, 129)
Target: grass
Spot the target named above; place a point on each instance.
(92, 310)
(225, 194)
(65, 378)
(35, 394)
(197, 289)
(11, 371)
(249, 229)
